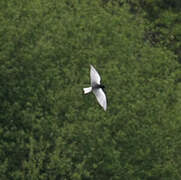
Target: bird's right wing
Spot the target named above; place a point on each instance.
(94, 76)
(101, 97)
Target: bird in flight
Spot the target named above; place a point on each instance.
(96, 88)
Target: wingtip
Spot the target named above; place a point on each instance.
(92, 67)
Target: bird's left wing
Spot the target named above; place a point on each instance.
(101, 97)
(94, 76)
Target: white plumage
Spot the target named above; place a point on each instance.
(87, 90)
(94, 76)
(96, 87)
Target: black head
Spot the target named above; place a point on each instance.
(102, 86)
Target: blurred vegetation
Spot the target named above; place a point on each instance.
(164, 18)
(50, 130)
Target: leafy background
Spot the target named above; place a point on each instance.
(50, 130)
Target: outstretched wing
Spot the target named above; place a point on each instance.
(101, 97)
(94, 76)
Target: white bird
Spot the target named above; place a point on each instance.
(96, 88)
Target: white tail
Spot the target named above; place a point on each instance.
(87, 90)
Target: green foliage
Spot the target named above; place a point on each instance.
(50, 130)
(164, 22)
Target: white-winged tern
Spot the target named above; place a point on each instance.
(96, 87)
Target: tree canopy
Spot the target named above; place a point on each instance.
(50, 130)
